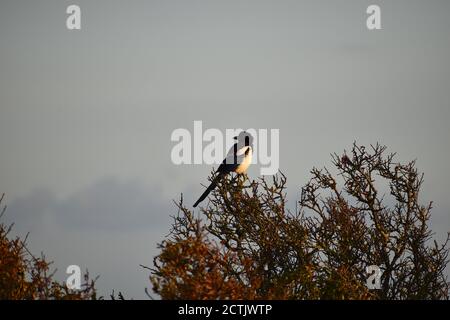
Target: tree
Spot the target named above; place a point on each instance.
(26, 277)
(245, 244)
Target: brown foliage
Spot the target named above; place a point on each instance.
(201, 271)
(26, 277)
(245, 244)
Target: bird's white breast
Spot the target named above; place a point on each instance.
(243, 166)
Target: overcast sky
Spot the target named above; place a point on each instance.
(86, 116)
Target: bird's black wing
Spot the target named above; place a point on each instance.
(232, 160)
(229, 164)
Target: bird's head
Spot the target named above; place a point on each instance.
(245, 138)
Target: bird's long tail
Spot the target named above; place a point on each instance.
(209, 189)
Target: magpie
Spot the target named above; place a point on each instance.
(238, 160)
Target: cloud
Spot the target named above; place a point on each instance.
(113, 204)
(109, 227)
(29, 212)
(108, 204)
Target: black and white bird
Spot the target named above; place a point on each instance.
(238, 160)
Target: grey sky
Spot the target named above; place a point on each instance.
(86, 116)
